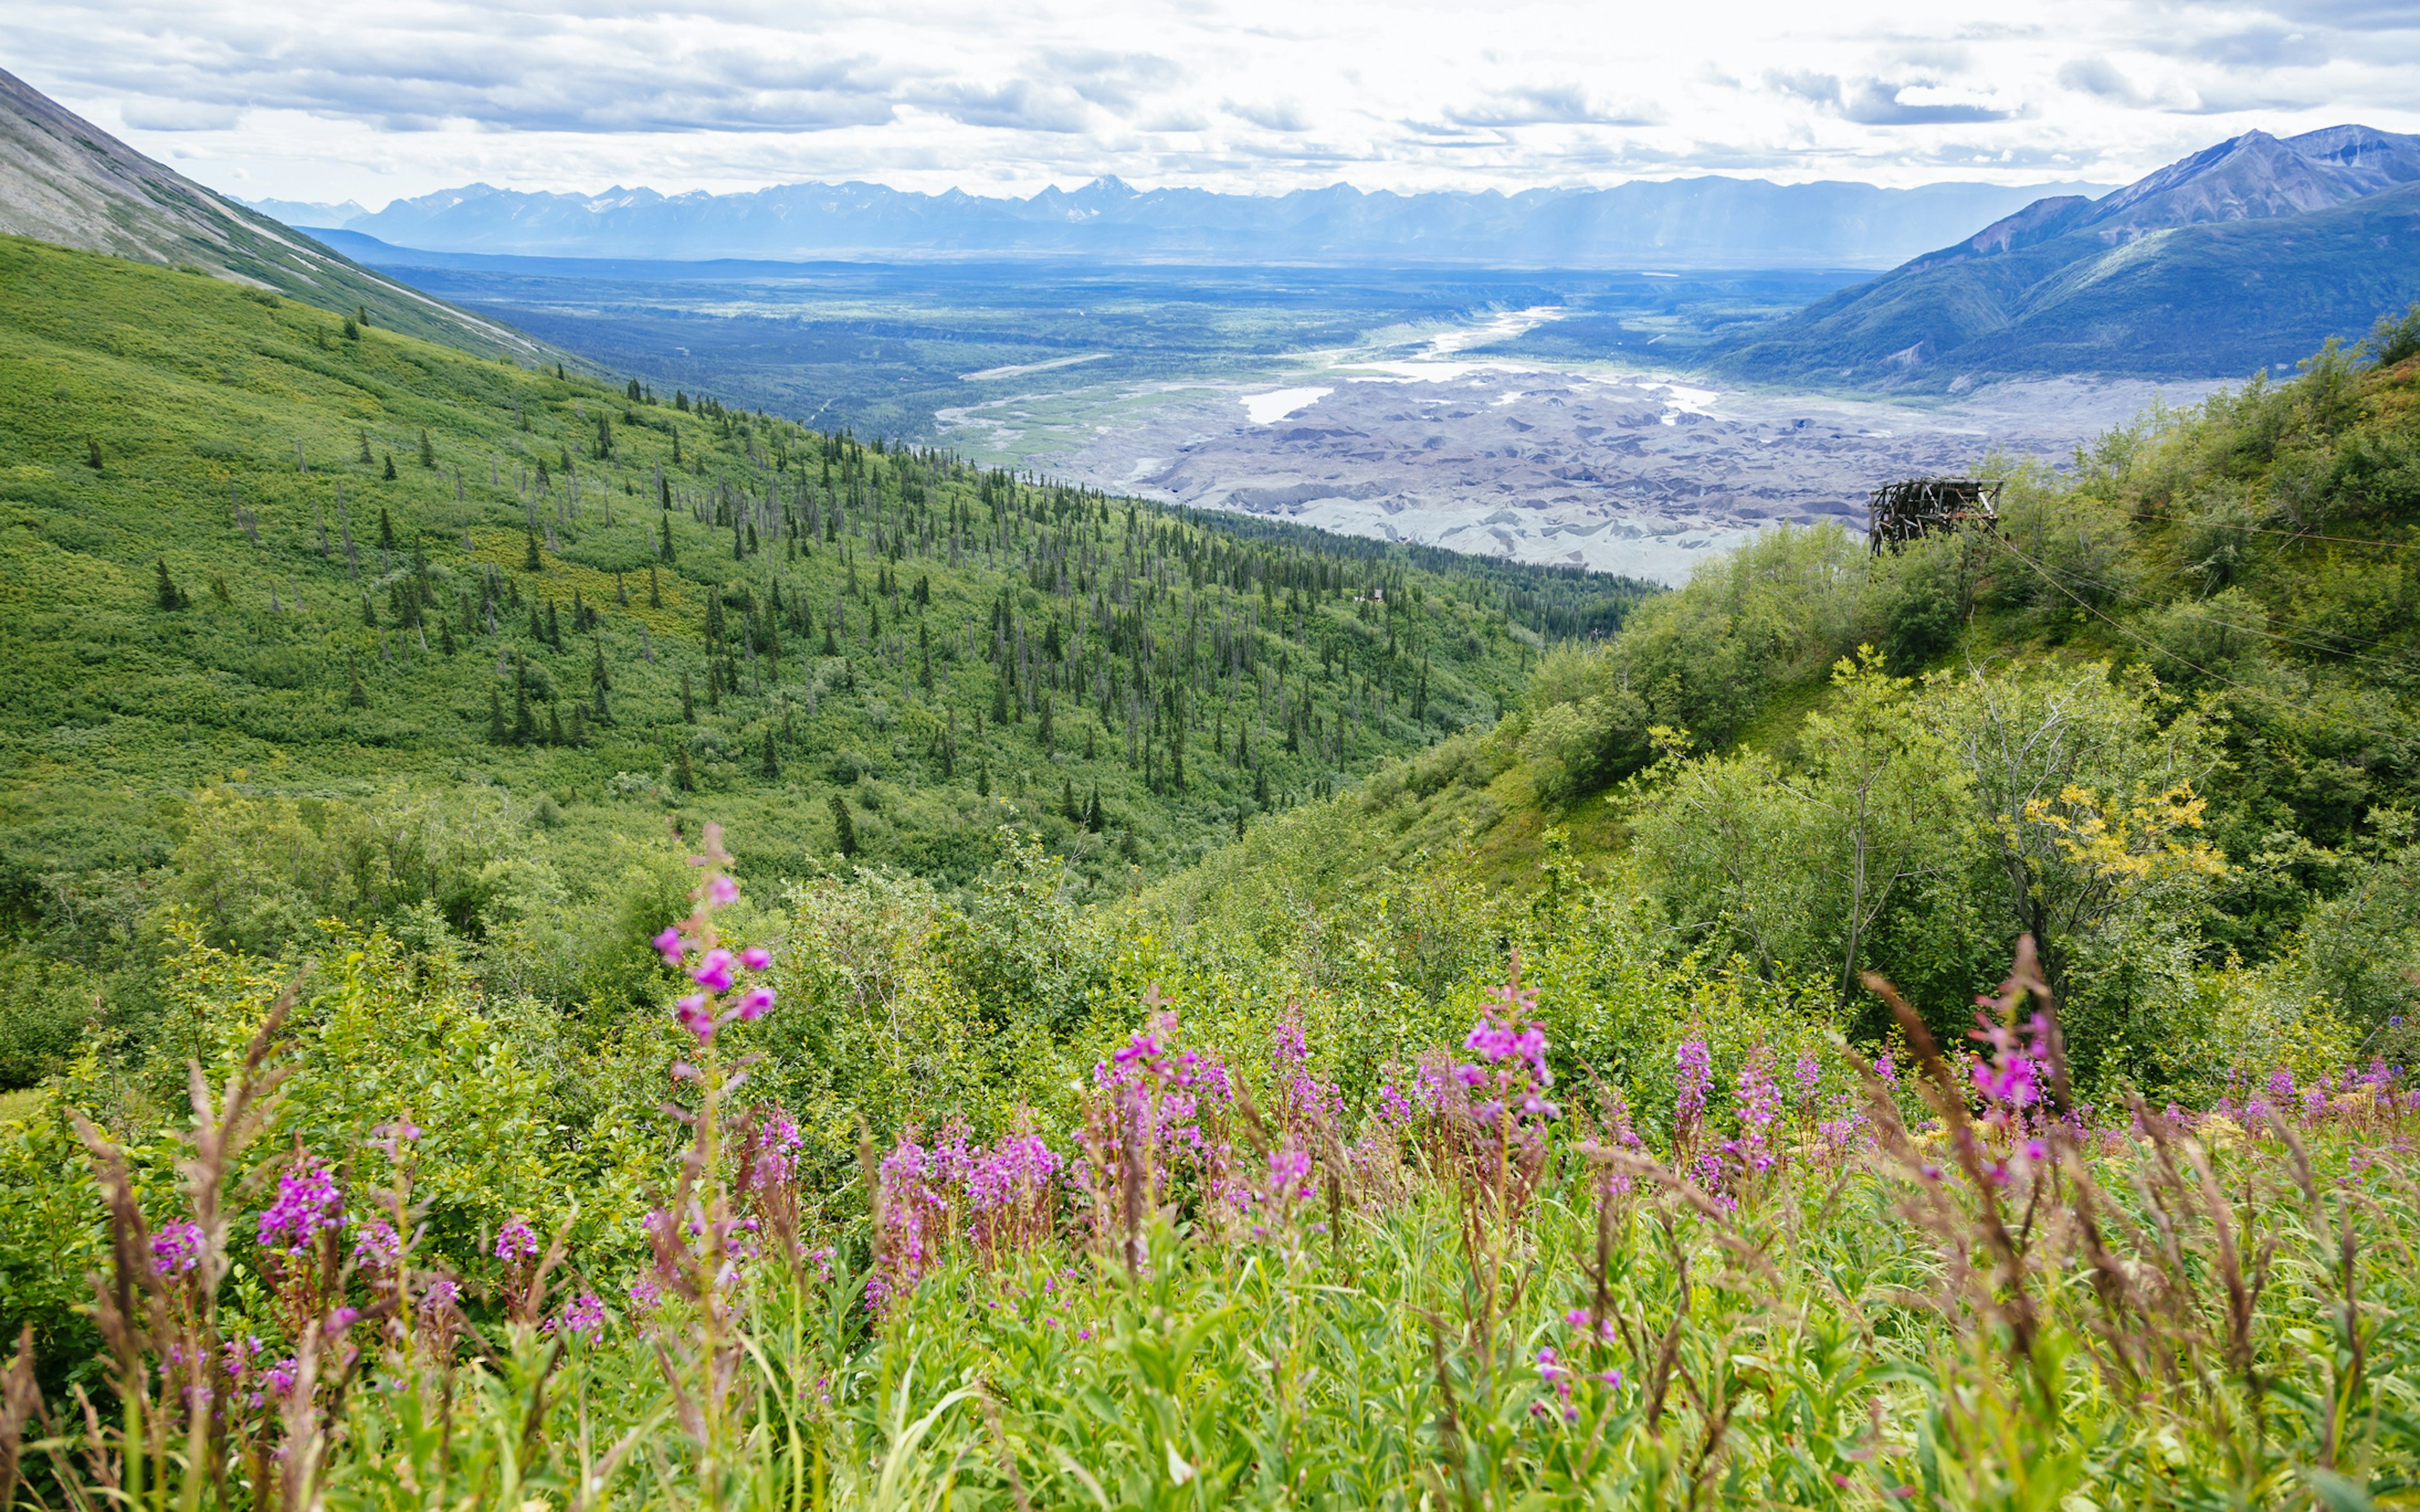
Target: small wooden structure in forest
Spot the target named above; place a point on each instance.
(1898, 513)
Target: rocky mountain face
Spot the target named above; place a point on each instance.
(2242, 255)
(65, 182)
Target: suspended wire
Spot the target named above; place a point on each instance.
(2398, 664)
(2156, 649)
(2265, 530)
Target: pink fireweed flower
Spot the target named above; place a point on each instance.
(714, 972)
(1760, 1099)
(668, 944)
(516, 1240)
(440, 1294)
(722, 891)
(377, 1247)
(757, 957)
(177, 1248)
(754, 1004)
(694, 1016)
(1693, 1073)
(583, 1319)
(307, 1205)
(341, 1319)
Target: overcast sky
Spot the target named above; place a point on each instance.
(340, 100)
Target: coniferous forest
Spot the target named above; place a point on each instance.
(572, 946)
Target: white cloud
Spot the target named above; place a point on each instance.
(349, 99)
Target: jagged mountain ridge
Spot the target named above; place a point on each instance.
(1695, 221)
(2246, 254)
(65, 182)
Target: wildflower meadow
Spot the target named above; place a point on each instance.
(1910, 1272)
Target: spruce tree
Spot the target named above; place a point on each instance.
(773, 765)
(844, 828)
(983, 780)
(171, 596)
(655, 596)
(688, 701)
(530, 560)
(497, 734)
(553, 628)
(1047, 734)
(524, 723)
(92, 453)
(667, 547)
(683, 777)
(1093, 810)
(386, 528)
(445, 637)
(579, 724)
(1000, 699)
(354, 695)
(553, 725)
(427, 451)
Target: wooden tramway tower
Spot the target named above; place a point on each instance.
(1898, 513)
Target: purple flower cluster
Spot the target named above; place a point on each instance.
(1512, 1060)
(1693, 1075)
(177, 1248)
(516, 1241)
(583, 1317)
(775, 1148)
(1000, 1199)
(307, 1205)
(690, 946)
(377, 1247)
(2011, 1076)
(1760, 1104)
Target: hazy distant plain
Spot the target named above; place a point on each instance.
(1546, 417)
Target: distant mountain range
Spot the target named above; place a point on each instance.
(2250, 254)
(67, 182)
(1694, 222)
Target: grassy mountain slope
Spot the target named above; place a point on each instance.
(2192, 301)
(327, 723)
(64, 180)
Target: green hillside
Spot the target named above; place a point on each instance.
(449, 634)
(1518, 1125)
(2164, 717)
(2188, 301)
